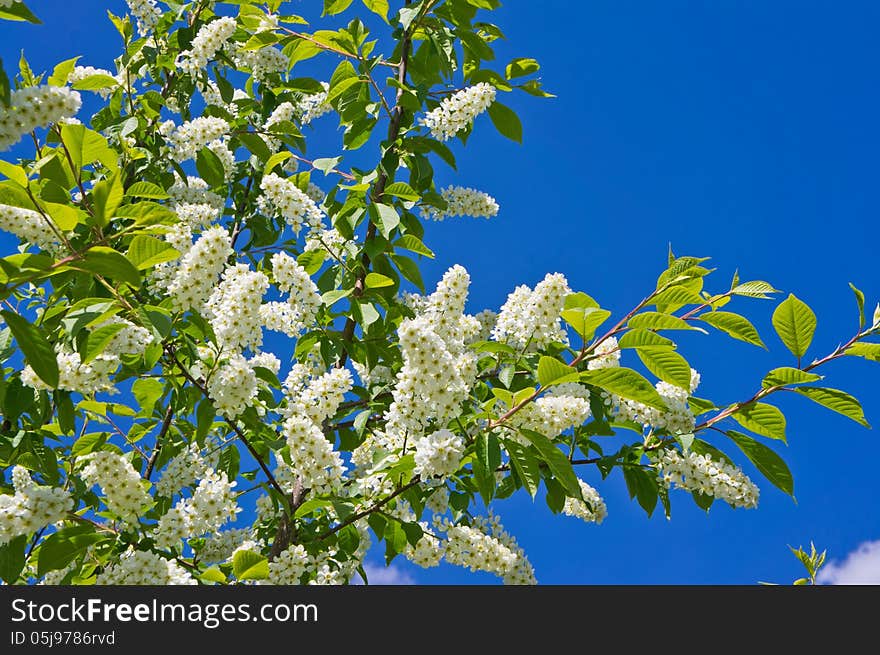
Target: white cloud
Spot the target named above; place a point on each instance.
(391, 575)
(862, 566)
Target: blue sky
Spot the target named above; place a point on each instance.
(744, 131)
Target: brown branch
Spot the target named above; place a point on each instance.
(166, 424)
(169, 350)
(372, 508)
(287, 534)
(378, 190)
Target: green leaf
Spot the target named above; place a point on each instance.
(785, 376)
(213, 574)
(506, 121)
(65, 217)
(15, 173)
(642, 338)
(106, 198)
(642, 486)
(754, 289)
(667, 365)
(60, 548)
(762, 419)
(836, 400)
(795, 324)
(556, 461)
(413, 244)
(658, 321)
(860, 301)
(210, 167)
(521, 67)
(486, 459)
(18, 12)
(33, 343)
(276, 159)
(147, 391)
(379, 7)
(12, 558)
(146, 190)
(526, 465)
(625, 383)
(402, 190)
(333, 7)
(95, 82)
(146, 251)
(735, 325)
(771, 465)
(62, 71)
(385, 217)
(377, 280)
(552, 371)
(869, 351)
(410, 270)
(248, 565)
(109, 263)
(88, 443)
(99, 339)
(585, 320)
(326, 164)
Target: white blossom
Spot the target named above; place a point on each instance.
(463, 201)
(283, 197)
(438, 454)
(121, 485)
(210, 38)
(591, 510)
(458, 111)
(702, 474)
(34, 107)
(32, 506)
(147, 14)
(140, 567)
(529, 319)
(28, 225)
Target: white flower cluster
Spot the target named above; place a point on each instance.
(313, 458)
(378, 375)
(700, 473)
(94, 376)
(188, 139)
(31, 507)
(262, 63)
(219, 546)
(124, 494)
(315, 105)
(130, 340)
(234, 308)
(283, 112)
(210, 38)
(283, 197)
(290, 566)
(198, 269)
(302, 304)
(485, 546)
(34, 107)
(195, 204)
(606, 355)
(211, 505)
(428, 551)
(563, 407)
(140, 567)
(185, 468)
(529, 320)
(233, 386)
(80, 73)
(677, 419)
(438, 370)
(438, 454)
(28, 225)
(75, 376)
(591, 511)
(463, 201)
(458, 111)
(147, 14)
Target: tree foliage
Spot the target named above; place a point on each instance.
(164, 238)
